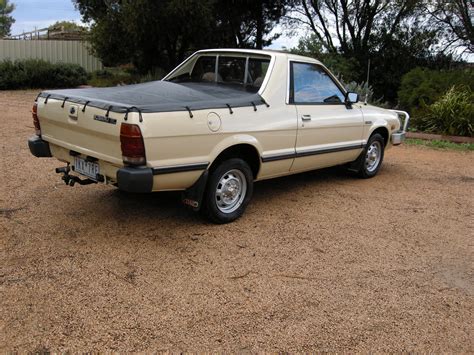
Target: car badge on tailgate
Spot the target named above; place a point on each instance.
(105, 119)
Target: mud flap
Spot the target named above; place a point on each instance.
(193, 196)
(356, 165)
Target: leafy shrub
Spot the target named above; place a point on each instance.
(364, 91)
(421, 87)
(34, 73)
(452, 114)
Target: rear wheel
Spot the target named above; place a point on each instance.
(229, 191)
(371, 158)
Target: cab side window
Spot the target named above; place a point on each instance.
(310, 84)
(257, 69)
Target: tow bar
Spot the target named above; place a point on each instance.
(71, 180)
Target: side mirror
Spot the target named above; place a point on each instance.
(352, 98)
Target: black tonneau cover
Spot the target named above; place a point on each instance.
(159, 96)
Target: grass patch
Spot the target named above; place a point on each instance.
(438, 144)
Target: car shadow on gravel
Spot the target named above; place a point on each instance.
(167, 205)
(293, 183)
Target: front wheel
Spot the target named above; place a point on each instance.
(229, 191)
(372, 157)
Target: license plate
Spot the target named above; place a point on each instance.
(87, 168)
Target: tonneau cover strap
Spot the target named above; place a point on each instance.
(190, 112)
(129, 109)
(85, 105)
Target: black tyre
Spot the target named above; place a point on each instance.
(229, 190)
(370, 161)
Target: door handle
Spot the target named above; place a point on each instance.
(306, 117)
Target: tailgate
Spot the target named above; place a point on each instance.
(90, 132)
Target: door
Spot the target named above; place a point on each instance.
(329, 130)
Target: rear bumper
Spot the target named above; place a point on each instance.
(39, 148)
(138, 180)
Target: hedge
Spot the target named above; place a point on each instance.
(421, 86)
(35, 74)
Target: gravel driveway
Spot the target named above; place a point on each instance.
(320, 261)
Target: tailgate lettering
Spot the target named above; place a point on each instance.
(105, 119)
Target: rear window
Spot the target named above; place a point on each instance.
(204, 69)
(248, 72)
(231, 70)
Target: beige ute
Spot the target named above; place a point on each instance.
(221, 120)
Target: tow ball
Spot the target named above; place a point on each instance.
(71, 180)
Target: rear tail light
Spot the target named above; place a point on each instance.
(36, 123)
(133, 148)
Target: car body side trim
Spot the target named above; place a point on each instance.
(275, 157)
(329, 150)
(306, 153)
(179, 168)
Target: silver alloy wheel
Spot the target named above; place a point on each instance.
(231, 190)
(373, 156)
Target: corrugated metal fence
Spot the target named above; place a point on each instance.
(50, 50)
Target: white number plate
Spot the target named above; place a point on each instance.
(87, 168)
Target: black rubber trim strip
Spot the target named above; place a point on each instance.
(311, 152)
(278, 157)
(329, 150)
(179, 168)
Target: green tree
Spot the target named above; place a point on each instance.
(355, 27)
(6, 20)
(391, 34)
(346, 69)
(455, 19)
(247, 24)
(162, 33)
(147, 33)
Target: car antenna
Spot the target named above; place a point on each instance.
(367, 84)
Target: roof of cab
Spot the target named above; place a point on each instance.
(270, 52)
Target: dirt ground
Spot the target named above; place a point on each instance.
(320, 261)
